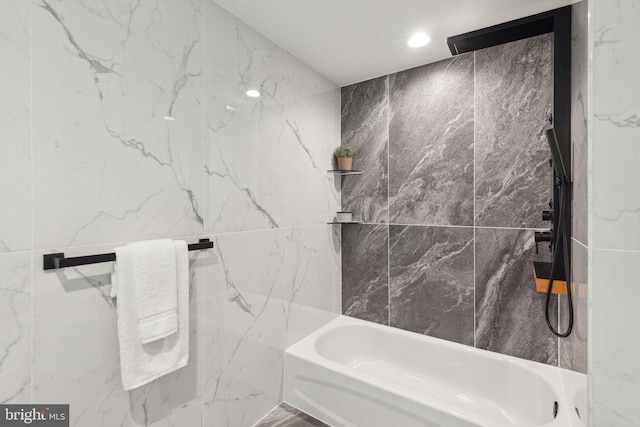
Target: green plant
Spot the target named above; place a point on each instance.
(344, 151)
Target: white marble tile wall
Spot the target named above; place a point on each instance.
(615, 372)
(616, 109)
(614, 236)
(87, 88)
(76, 353)
(580, 118)
(244, 334)
(107, 167)
(243, 132)
(15, 116)
(264, 290)
(312, 258)
(256, 147)
(15, 333)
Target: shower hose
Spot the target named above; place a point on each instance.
(560, 236)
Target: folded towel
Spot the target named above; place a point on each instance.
(140, 362)
(156, 281)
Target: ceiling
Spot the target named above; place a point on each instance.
(349, 41)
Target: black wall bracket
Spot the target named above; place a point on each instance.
(58, 260)
(558, 22)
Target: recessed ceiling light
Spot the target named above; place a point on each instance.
(169, 118)
(230, 108)
(253, 93)
(419, 40)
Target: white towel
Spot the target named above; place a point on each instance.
(156, 285)
(141, 363)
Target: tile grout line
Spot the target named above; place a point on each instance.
(266, 415)
(204, 126)
(388, 275)
(45, 249)
(579, 242)
(205, 180)
(458, 226)
(388, 202)
(622, 251)
(32, 264)
(474, 200)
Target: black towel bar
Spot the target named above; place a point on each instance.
(57, 260)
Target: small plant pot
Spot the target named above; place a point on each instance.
(345, 163)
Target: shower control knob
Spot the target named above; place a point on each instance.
(547, 215)
(542, 236)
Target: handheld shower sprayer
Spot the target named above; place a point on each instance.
(558, 163)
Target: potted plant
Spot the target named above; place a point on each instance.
(344, 155)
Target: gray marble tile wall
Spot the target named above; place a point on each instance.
(365, 267)
(431, 281)
(365, 126)
(468, 178)
(431, 144)
(88, 162)
(509, 312)
(514, 91)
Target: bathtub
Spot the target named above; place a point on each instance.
(353, 373)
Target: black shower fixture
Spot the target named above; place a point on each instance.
(556, 156)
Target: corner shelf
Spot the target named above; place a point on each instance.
(343, 173)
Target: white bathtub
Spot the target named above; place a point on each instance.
(359, 374)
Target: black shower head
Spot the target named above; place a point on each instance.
(558, 164)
